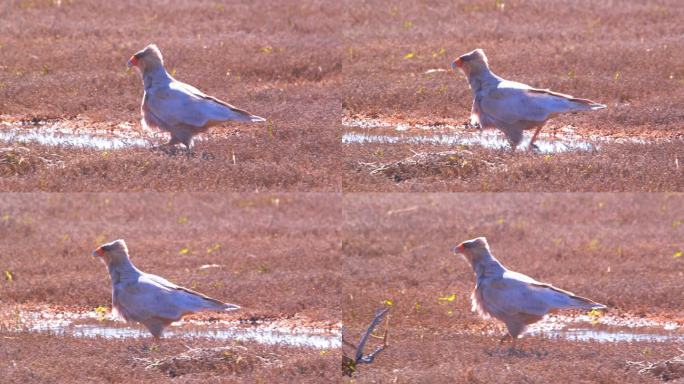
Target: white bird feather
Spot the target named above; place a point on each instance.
(150, 299)
(510, 106)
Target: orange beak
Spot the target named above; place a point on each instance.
(133, 61)
(458, 63)
(459, 248)
(99, 251)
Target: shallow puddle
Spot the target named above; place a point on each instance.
(607, 329)
(92, 325)
(71, 134)
(377, 131)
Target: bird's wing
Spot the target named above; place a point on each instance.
(196, 92)
(512, 297)
(561, 298)
(508, 274)
(542, 295)
(183, 104)
(146, 299)
(187, 299)
(234, 112)
(162, 282)
(511, 102)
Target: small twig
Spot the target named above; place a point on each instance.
(379, 314)
(369, 358)
(669, 369)
(349, 364)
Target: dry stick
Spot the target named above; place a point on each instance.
(658, 368)
(359, 357)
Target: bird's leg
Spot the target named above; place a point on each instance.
(534, 137)
(471, 124)
(172, 141)
(168, 147)
(189, 147)
(506, 336)
(513, 146)
(156, 344)
(512, 350)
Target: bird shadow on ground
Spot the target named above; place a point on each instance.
(515, 352)
(173, 151)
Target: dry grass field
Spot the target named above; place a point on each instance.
(349, 198)
(623, 250)
(625, 54)
(66, 60)
(274, 255)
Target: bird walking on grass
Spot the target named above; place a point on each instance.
(150, 299)
(511, 297)
(176, 107)
(510, 106)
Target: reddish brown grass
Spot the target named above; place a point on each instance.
(39, 358)
(581, 48)
(275, 251)
(614, 248)
(275, 254)
(283, 60)
(617, 167)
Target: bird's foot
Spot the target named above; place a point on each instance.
(168, 149)
(469, 125)
(208, 156)
(534, 148)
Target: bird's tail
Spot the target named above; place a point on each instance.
(236, 114)
(568, 300)
(199, 302)
(584, 303)
(217, 305)
(230, 307)
(241, 115)
(586, 104)
(256, 119)
(230, 112)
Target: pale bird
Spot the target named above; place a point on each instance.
(511, 297)
(146, 298)
(176, 107)
(510, 106)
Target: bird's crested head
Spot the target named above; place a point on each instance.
(474, 251)
(113, 252)
(471, 63)
(147, 58)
